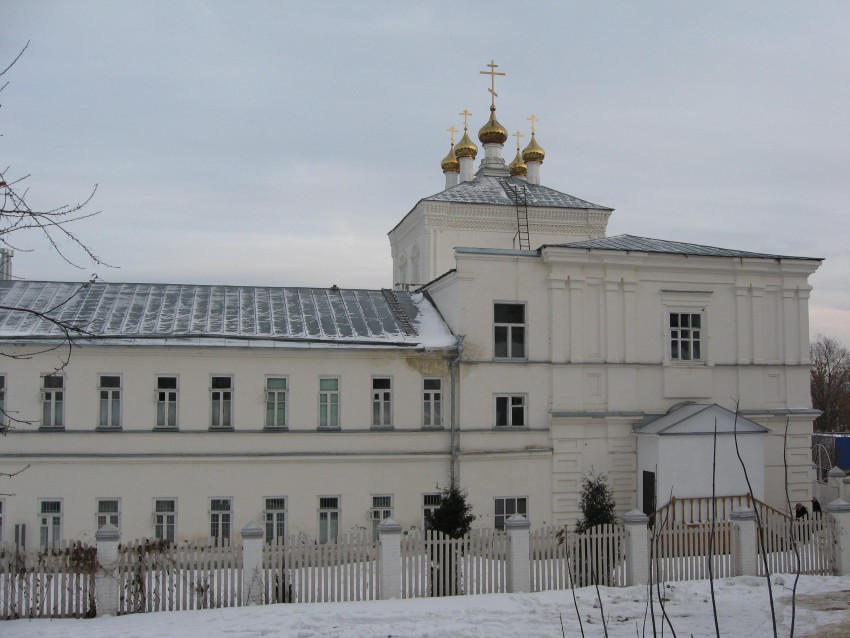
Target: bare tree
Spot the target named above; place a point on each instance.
(830, 384)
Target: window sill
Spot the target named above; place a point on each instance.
(382, 428)
(510, 359)
(51, 428)
(221, 428)
(510, 427)
(328, 429)
(433, 428)
(166, 428)
(108, 428)
(275, 428)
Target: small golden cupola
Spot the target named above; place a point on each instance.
(493, 132)
(465, 147)
(518, 167)
(465, 150)
(533, 154)
(450, 162)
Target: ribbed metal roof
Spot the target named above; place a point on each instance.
(487, 190)
(193, 313)
(647, 245)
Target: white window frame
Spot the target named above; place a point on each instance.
(221, 403)
(329, 516)
(503, 331)
(53, 406)
(274, 518)
(277, 401)
(165, 520)
(382, 402)
(109, 402)
(681, 338)
(50, 523)
(167, 402)
(221, 520)
(2, 511)
(513, 402)
(382, 508)
(510, 506)
(4, 416)
(432, 403)
(430, 503)
(103, 517)
(329, 405)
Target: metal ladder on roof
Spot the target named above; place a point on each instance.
(398, 311)
(519, 195)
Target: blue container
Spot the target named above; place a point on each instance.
(842, 452)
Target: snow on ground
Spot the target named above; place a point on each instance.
(823, 610)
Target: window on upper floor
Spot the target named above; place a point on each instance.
(52, 401)
(329, 403)
(275, 519)
(432, 398)
(220, 519)
(221, 402)
(165, 519)
(109, 415)
(505, 507)
(276, 402)
(685, 336)
(166, 402)
(328, 519)
(510, 410)
(382, 402)
(108, 512)
(509, 331)
(50, 530)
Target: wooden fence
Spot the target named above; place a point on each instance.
(51, 583)
(161, 576)
(785, 543)
(561, 559)
(299, 571)
(683, 551)
(433, 564)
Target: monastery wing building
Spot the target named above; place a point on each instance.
(519, 349)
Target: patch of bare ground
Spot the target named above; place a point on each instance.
(837, 601)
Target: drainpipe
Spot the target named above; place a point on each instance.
(454, 371)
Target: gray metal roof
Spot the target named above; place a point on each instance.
(487, 190)
(219, 315)
(632, 243)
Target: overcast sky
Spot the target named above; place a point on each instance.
(278, 142)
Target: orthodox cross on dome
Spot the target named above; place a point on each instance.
(533, 119)
(492, 73)
(466, 114)
(452, 130)
(518, 135)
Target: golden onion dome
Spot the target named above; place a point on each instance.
(533, 152)
(493, 132)
(518, 167)
(450, 163)
(466, 147)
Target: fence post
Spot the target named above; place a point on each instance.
(839, 509)
(106, 586)
(837, 478)
(744, 544)
(389, 535)
(519, 558)
(252, 564)
(637, 547)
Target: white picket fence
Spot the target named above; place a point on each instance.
(161, 576)
(786, 543)
(433, 564)
(684, 551)
(561, 558)
(296, 570)
(50, 583)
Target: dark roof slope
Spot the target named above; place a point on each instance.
(219, 314)
(488, 190)
(632, 243)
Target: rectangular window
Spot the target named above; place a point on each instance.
(382, 402)
(328, 403)
(166, 402)
(510, 410)
(110, 401)
(432, 397)
(686, 336)
(382, 507)
(165, 519)
(276, 402)
(108, 512)
(1, 522)
(509, 330)
(50, 514)
(53, 401)
(3, 419)
(507, 507)
(221, 397)
(275, 517)
(328, 519)
(430, 503)
(220, 516)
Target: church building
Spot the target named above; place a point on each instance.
(519, 349)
